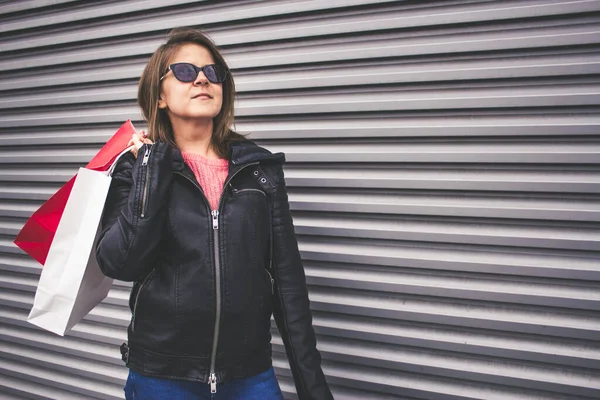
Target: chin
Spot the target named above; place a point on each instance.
(205, 116)
(205, 113)
(202, 114)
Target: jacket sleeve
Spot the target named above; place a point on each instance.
(134, 215)
(291, 304)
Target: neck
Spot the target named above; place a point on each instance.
(192, 136)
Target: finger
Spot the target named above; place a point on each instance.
(141, 135)
(137, 141)
(135, 147)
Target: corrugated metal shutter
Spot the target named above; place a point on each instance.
(444, 173)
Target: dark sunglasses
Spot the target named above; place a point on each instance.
(186, 72)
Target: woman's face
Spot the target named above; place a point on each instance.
(196, 100)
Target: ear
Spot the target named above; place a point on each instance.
(161, 102)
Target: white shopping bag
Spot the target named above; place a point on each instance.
(71, 283)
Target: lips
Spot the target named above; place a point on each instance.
(202, 95)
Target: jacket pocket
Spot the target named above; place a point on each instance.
(241, 191)
(143, 285)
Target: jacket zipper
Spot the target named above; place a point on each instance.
(213, 356)
(272, 281)
(212, 378)
(145, 164)
(137, 296)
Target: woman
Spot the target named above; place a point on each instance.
(198, 218)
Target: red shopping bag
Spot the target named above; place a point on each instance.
(36, 235)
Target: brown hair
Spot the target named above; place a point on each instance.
(149, 88)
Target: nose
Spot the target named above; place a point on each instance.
(201, 79)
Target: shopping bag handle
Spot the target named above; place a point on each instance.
(114, 164)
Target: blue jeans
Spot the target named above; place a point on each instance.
(263, 386)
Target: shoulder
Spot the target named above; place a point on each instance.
(245, 151)
(270, 165)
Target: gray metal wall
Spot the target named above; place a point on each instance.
(443, 172)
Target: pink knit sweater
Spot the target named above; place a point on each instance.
(211, 175)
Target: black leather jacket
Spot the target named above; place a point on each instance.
(204, 286)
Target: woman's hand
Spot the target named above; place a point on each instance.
(138, 140)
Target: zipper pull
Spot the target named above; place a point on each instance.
(272, 282)
(215, 219)
(213, 383)
(146, 156)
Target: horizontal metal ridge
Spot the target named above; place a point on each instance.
(80, 11)
(485, 232)
(19, 264)
(352, 127)
(446, 287)
(349, 127)
(17, 209)
(59, 177)
(403, 72)
(494, 316)
(448, 178)
(451, 151)
(30, 6)
(56, 137)
(479, 259)
(457, 205)
(115, 115)
(390, 100)
(25, 193)
(578, 151)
